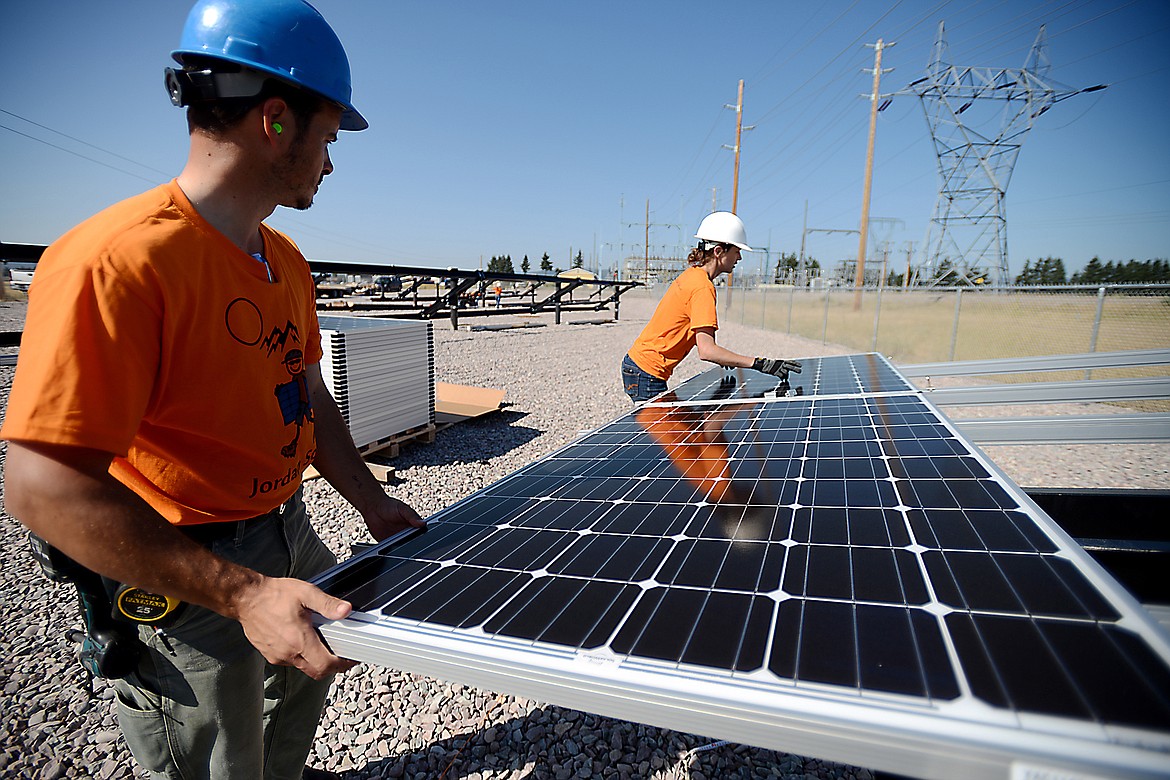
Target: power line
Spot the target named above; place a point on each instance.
(1091, 192)
(77, 140)
(77, 154)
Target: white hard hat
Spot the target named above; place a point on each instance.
(723, 227)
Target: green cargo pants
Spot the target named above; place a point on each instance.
(203, 702)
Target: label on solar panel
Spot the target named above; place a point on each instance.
(837, 574)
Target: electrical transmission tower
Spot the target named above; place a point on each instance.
(966, 240)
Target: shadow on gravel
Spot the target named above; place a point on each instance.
(467, 442)
(529, 747)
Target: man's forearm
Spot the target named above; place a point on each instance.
(338, 460)
(65, 496)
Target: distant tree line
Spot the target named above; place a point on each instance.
(788, 264)
(502, 264)
(1051, 271)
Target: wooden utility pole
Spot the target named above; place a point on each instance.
(646, 278)
(859, 279)
(909, 255)
(647, 225)
(735, 174)
(738, 133)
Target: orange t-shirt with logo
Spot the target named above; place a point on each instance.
(689, 304)
(151, 336)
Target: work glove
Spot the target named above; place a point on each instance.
(775, 366)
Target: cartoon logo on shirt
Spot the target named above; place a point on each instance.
(245, 324)
(280, 336)
(293, 396)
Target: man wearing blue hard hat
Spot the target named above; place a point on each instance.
(168, 397)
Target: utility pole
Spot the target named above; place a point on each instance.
(803, 233)
(859, 279)
(738, 133)
(739, 128)
(647, 225)
(909, 255)
(646, 278)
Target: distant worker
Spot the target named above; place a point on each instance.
(686, 318)
(169, 395)
(498, 291)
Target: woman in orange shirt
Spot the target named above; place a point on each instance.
(686, 318)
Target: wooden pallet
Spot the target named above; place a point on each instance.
(387, 447)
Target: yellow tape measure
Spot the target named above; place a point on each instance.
(141, 606)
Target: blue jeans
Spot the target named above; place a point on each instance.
(203, 702)
(639, 385)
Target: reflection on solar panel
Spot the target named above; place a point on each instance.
(818, 376)
(837, 574)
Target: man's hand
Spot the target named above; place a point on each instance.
(776, 366)
(389, 516)
(275, 614)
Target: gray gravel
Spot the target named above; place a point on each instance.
(559, 381)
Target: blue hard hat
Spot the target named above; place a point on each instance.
(286, 38)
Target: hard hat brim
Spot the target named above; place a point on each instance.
(352, 120)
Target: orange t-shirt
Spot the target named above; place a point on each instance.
(151, 336)
(701, 456)
(689, 303)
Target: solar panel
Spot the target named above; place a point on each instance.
(837, 574)
(381, 373)
(843, 375)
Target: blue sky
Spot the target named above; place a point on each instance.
(523, 128)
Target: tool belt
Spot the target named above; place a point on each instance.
(110, 647)
(112, 612)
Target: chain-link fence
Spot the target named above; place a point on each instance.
(944, 324)
(948, 324)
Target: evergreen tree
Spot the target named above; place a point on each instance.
(1024, 278)
(1133, 272)
(546, 264)
(579, 260)
(1092, 273)
(525, 265)
(1059, 275)
(501, 265)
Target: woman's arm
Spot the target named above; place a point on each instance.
(713, 353)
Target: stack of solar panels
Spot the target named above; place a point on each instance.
(381, 372)
(837, 574)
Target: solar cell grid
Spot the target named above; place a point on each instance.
(844, 375)
(852, 544)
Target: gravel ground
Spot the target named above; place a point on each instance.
(560, 381)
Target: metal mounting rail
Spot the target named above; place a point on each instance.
(1104, 390)
(1087, 360)
(457, 291)
(1076, 429)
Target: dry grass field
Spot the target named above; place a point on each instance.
(920, 326)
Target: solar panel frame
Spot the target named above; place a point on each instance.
(942, 732)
